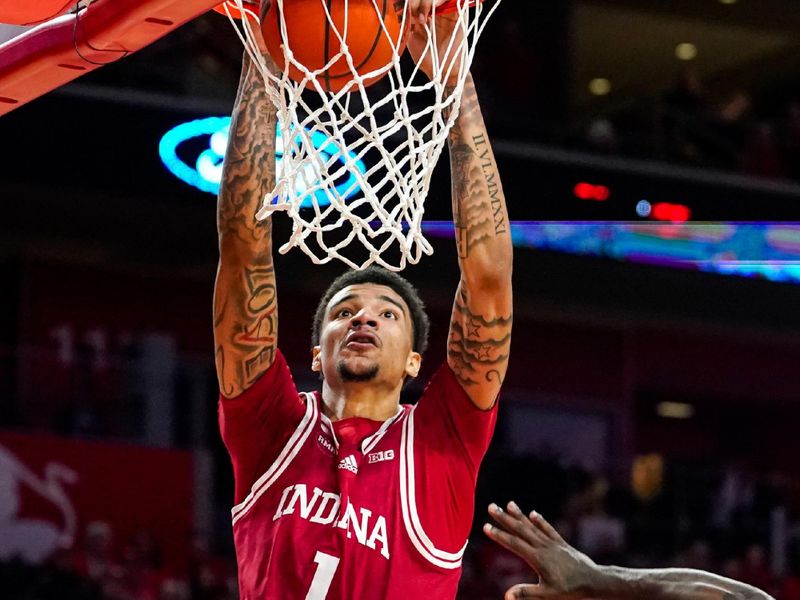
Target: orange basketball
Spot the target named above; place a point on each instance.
(314, 41)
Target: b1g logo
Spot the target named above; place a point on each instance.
(194, 151)
(377, 457)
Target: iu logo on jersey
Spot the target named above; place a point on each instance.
(349, 463)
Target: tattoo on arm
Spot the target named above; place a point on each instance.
(246, 316)
(480, 330)
(478, 204)
(478, 347)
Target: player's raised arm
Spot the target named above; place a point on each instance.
(567, 574)
(245, 300)
(480, 327)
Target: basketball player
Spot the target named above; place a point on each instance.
(344, 493)
(565, 573)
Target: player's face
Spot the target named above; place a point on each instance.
(366, 337)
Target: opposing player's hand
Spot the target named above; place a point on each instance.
(564, 572)
(420, 13)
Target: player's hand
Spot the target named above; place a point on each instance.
(419, 12)
(564, 572)
(258, 36)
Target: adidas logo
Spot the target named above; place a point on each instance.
(349, 463)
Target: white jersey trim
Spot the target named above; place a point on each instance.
(408, 505)
(327, 427)
(287, 455)
(367, 443)
(370, 442)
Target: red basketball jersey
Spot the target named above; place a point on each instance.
(353, 509)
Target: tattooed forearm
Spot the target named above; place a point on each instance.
(480, 330)
(245, 325)
(249, 167)
(478, 346)
(479, 208)
(245, 299)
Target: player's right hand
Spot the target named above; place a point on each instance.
(421, 10)
(564, 572)
(258, 36)
(420, 46)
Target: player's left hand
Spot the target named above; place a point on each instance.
(420, 13)
(564, 572)
(420, 10)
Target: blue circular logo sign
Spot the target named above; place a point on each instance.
(212, 135)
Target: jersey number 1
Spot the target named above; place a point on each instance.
(326, 568)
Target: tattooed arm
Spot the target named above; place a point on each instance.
(245, 300)
(480, 327)
(567, 574)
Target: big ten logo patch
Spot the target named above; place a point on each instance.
(377, 457)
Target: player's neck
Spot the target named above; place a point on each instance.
(360, 400)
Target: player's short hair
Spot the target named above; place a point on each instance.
(379, 276)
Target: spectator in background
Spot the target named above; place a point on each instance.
(208, 574)
(762, 153)
(95, 560)
(736, 494)
(174, 589)
(790, 590)
(732, 114)
(601, 135)
(697, 556)
(683, 106)
(791, 141)
(598, 533)
(755, 569)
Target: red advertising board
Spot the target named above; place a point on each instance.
(50, 488)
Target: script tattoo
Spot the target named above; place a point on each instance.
(489, 172)
(478, 204)
(245, 300)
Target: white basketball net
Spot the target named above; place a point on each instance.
(357, 167)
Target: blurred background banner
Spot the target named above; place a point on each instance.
(54, 488)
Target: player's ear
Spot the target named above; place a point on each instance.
(316, 361)
(413, 364)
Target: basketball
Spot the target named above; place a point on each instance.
(370, 28)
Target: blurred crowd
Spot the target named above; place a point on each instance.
(724, 130)
(99, 568)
